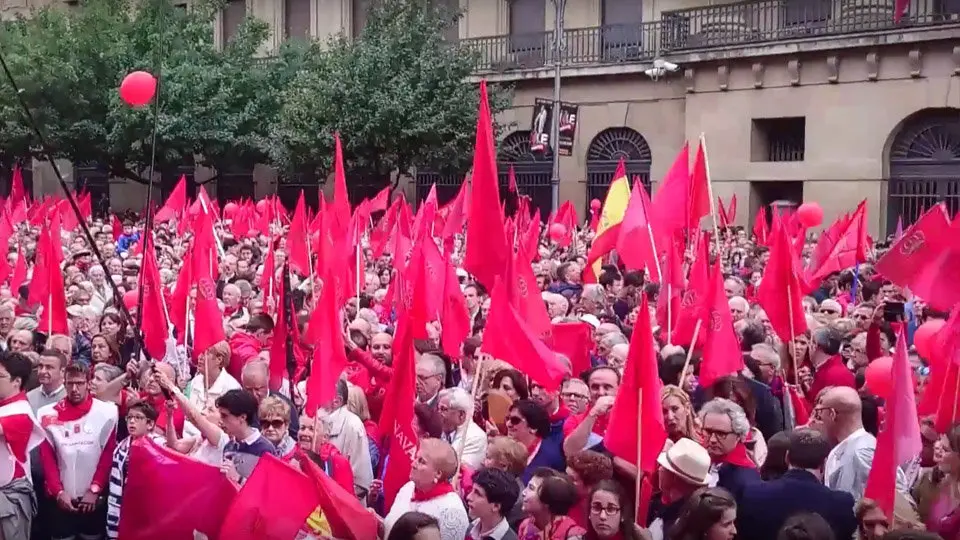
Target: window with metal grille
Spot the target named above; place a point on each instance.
(778, 139)
(234, 184)
(296, 19)
(233, 14)
(621, 29)
(527, 26)
(603, 157)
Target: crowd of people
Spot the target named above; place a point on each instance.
(443, 394)
(498, 458)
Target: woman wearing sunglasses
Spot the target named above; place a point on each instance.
(529, 424)
(274, 425)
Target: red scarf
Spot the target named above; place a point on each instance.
(739, 457)
(438, 490)
(68, 412)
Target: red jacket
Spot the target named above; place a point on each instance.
(831, 373)
(243, 348)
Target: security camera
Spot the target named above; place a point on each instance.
(655, 72)
(663, 64)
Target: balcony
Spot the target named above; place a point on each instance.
(747, 23)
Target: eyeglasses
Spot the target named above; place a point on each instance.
(719, 434)
(829, 311)
(514, 420)
(574, 395)
(597, 508)
(137, 417)
(275, 424)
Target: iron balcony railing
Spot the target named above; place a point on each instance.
(741, 23)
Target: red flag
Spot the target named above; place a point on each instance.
(900, 9)
(268, 280)
(297, 254)
(699, 205)
(208, 326)
(53, 317)
(760, 228)
(341, 198)
(329, 355)
(636, 243)
(17, 191)
(154, 321)
(273, 504)
(194, 496)
(175, 204)
(19, 273)
(732, 211)
(926, 259)
(512, 181)
(780, 291)
(396, 421)
(179, 301)
(573, 340)
(508, 337)
(278, 346)
(346, 516)
(673, 194)
(455, 318)
(638, 398)
(486, 255)
(524, 295)
(380, 202)
(116, 226)
(721, 351)
(694, 301)
(842, 246)
(899, 439)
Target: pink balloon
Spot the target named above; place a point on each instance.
(557, 231)
(595, 204)
(230, 209)
(925, 337)
(810, 214)
(262, 205)
(879, 376)
(138, 88)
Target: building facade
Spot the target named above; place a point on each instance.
(822, 100)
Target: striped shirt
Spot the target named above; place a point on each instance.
(118, 477)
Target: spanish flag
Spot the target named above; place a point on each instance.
(608, 229)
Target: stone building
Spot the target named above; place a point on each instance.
(824, 100)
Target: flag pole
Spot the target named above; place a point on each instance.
(713, 204)
(793, 341)
(693, 344)
(669, 312)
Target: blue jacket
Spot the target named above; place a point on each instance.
(764, 506)
(550, 455)
(735, 479)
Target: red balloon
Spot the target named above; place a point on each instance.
(262, 205)
(130, 299)
(595, 204)
(230, 209)
(557, 231)
(879, 376)
(138, 88)
(810, 214)
(925, 337)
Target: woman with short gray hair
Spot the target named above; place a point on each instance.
(724, 427)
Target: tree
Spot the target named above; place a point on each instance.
(400, 96)
(216, 106)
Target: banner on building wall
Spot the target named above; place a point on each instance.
(542, 121)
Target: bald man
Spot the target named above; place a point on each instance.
(838, 416)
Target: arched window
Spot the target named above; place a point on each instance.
(605, 152)
(532, 171)
(924, 165)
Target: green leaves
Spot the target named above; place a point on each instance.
(399, 95)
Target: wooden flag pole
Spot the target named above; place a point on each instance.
(686, 363)
(713, 203)
(793, 341)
